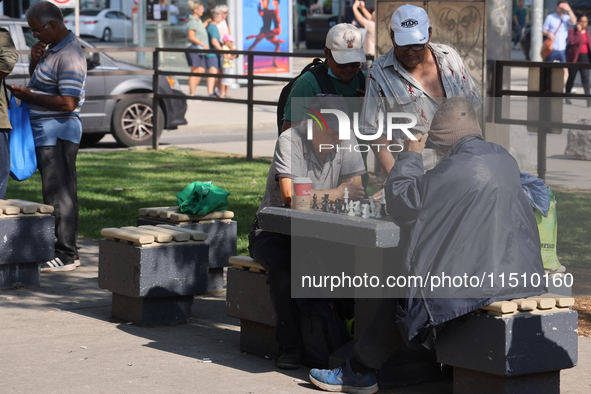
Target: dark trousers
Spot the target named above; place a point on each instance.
(273, 251)
(4, 162)
(59, 183)
(381, 338)
(572, 74)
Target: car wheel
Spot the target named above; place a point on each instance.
(107, 35)
(132, 122)
(91, 139)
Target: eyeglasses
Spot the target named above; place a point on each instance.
(415, 48)
(38, 31)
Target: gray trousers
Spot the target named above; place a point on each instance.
(59, 182)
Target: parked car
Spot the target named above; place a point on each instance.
(129, 120)
(107, 24)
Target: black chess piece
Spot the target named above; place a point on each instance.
(331, 206)
(337, 205)
(325, 203)
(314, 202)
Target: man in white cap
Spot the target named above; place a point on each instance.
(415, 76)
(341, 73)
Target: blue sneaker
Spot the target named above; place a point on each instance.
(344, 380)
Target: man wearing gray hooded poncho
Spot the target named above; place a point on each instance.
(467, 216)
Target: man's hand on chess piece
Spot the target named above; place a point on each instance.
(415, 146)
(356, 192)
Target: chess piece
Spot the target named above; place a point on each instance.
(379, 211)
(365, 211)
(345, 207)
(383, 200)
(314, 202)
(331, 206)
(346, 197)
(357, 205)
(337, 206)
(351, 210)
(372, 206)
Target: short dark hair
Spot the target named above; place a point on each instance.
(43, 12)
(560, 2)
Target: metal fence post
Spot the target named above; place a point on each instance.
(155, 104)
(250, 109)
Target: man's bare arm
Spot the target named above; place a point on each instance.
(384, 156)
(56, 103)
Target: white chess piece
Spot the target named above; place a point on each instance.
(347, 202)
(379, 211)
(351, 210)
(372, 205)
(346, 197)
(357, 206)
(365, 214)
(383, 200)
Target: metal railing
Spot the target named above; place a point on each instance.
(544, 123)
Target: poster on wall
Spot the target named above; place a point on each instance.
(265, 27)
(157, 11)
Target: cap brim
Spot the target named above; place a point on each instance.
(411, 38)
(344, 57)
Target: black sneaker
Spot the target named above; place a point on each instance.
(56, 265)
(289, 358)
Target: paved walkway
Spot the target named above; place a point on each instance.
(60, 338)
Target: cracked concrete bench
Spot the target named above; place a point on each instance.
(248, 299)
(27, 237)
(153, 272)
(516, 346)
(219, 226)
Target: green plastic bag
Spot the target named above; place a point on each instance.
(548, 229)
(201, 198)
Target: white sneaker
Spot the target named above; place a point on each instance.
(56, 265)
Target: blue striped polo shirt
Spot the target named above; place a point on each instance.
(61, 71)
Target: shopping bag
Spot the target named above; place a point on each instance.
(201, 198)
(23, 160)
(548, 229)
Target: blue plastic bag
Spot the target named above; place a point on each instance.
(23, 160)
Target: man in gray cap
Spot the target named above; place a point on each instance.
(414, 77)
(332, 166)
(467, 216)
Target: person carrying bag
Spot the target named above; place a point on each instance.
(548, 45)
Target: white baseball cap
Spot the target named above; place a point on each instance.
(345, 43)
(410, 25)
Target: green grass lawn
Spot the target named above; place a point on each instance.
(153, 179)
(573, 211)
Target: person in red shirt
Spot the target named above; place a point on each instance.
(579, 51)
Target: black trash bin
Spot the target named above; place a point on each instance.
(317, 27)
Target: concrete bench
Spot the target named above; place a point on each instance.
(153, 272)
(219, 226)
(248, 299)
(516, 346)
(27, 237)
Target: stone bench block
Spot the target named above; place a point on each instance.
(222, 241)
(171, 269)
(523, 353)
(25, 240)
(152, 311)
(248, 299)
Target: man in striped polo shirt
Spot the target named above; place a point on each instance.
(55, 94)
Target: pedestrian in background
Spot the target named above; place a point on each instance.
(8, 58)
(555, 28)
(302, 12)
(213, 59)
(367, 21)
(227, 64)
(519, 22)
(198, 39)
(578, 50)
